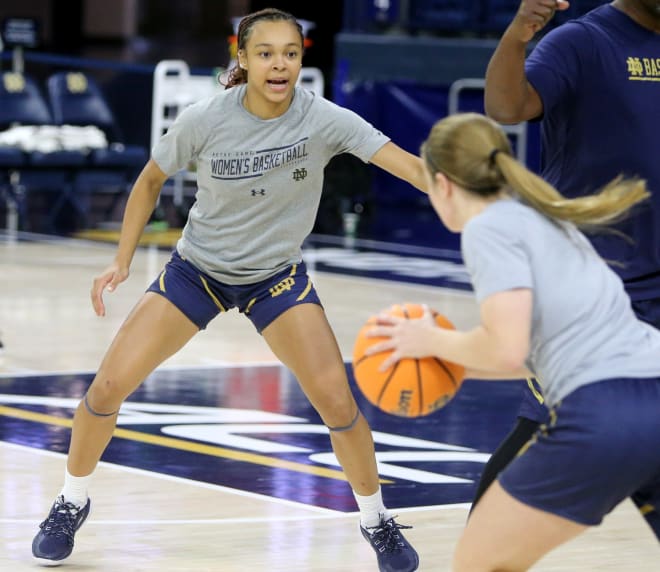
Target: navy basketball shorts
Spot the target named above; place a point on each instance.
(599, 446)
(201, 298)
(533, 404)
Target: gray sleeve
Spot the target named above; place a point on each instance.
(496, 260)
(179, 145)
(347, 132)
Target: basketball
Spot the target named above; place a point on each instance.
(412, 387)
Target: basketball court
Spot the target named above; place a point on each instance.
(218, 461)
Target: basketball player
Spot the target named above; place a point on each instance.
(595, 85)
(595, 359)
(260, 148)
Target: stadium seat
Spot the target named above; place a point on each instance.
(76, 99)
(448, 16)
(496, 15)
(30, 169)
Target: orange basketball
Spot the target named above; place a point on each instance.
(413, 386)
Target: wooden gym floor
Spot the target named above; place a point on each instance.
(219, 463)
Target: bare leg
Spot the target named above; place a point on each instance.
(303, 340)
(153, 331)
(505, 535)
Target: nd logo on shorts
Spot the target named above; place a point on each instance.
(282, 286)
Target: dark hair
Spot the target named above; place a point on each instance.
(237, 75)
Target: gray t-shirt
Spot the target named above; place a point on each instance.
(583, 327)
(259, 181)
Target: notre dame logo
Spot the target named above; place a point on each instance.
(76, 82)
(299, 174)
(281, 287)
(635, 67)
(13, 82)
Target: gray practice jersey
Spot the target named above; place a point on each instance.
(259, 181)
(583, 326)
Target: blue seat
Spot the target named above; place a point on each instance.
(496, 15)
(458, 17)
(370, 16)
(21, 103)
(76, 99)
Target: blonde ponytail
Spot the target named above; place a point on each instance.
(474, 151)
(597, 210)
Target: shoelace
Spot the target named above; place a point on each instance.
(387, 535)
(61, 521)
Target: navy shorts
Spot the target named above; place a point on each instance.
(599, 446)
(533, 403)
(201, 298)
(532, 406)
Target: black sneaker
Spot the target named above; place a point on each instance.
(393, 551)
(54, 542)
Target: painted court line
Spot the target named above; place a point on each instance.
(182, 445)
(181, 480)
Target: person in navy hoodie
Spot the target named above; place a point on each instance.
(594, 84)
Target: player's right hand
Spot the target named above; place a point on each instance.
(533, 15)
(109, 279)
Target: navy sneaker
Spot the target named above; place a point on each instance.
(393, 551)
(54, 542)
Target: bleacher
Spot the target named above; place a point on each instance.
(460, 18)
(401, 64)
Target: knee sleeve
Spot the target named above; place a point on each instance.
(96, 413)
(346, 427)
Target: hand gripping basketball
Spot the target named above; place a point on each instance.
(412, 387)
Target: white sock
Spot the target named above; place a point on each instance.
(75, 489)
(372, 509)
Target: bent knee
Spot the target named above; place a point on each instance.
(337, 410)
(105, 395)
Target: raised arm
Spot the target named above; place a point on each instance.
(509, 97)
(401, 164)
(139, 207)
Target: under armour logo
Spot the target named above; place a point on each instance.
(299, 174)
(256, 192)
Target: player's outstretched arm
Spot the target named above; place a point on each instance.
(391, 158)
